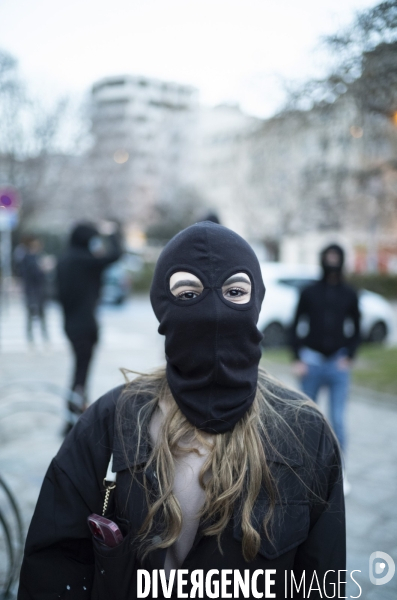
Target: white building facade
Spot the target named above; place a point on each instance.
(303, 179)
(144, 131)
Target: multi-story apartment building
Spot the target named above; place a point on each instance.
(292, 182)
(220, 173)
(143, 131)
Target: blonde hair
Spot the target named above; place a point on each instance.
(236, 466)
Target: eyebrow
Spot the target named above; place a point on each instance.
(189, 282)
(235, 279)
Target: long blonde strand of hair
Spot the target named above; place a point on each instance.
(233, 473)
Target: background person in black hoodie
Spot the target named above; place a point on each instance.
(79, 275)
(325, 336)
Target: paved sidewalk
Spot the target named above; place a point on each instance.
(129, 339)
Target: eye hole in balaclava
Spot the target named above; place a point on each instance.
(237, 288)
(187, 286)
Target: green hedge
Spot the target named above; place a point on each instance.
(386, 285)
(375, 368)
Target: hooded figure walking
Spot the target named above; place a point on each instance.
(325, 337)
(79, 275)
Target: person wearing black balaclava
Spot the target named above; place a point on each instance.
(325, 336)
(213, 470)
(212, 345)
(79, 273)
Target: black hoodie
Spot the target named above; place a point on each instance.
(330, 312)
(79, 280)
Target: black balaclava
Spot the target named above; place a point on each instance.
(329, 269)
(82, 234)
(212, 345)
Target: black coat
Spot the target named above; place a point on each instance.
(79, 275)
(332, 319)
(62, 560)
(34, 280)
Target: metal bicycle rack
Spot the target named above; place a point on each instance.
(12, 533)
(12, 528)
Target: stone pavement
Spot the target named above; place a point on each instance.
(31, 419)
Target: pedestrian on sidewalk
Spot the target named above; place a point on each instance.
(79, 274)
(33, 278)
(325, 337)
(207, 466)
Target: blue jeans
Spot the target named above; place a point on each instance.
(325, 372)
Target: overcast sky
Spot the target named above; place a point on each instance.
(232, 50)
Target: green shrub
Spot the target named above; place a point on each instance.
(386, 285)
(375, 368)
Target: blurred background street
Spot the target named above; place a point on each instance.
(119, 128)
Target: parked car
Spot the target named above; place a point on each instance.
(283, 285)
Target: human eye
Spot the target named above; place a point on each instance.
(237, 288)
(187, 295)
(235, 292)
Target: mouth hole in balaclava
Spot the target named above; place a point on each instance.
(186, 286)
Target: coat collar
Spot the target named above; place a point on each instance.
(129, 451)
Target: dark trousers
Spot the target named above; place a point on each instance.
(36, 311)
(83, 349)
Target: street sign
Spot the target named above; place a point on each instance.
(9, 205)
(9, 199)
